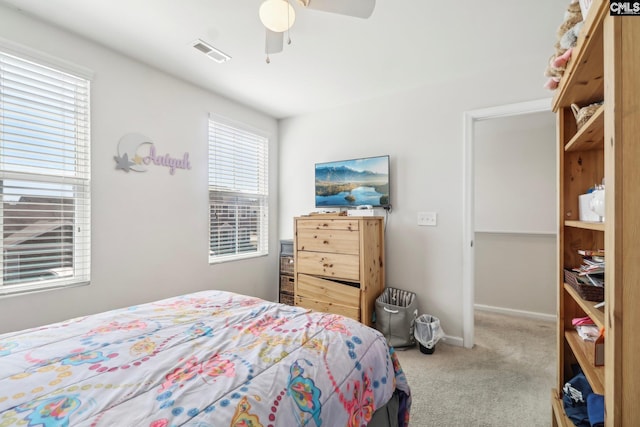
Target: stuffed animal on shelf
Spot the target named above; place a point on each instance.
(561, 61)
(554, 74)
(567, 37)
(572, 16)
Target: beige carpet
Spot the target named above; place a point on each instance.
(505, 380)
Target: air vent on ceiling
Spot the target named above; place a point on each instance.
(213, 53)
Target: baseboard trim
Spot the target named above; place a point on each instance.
(518, 313)
(456, 341)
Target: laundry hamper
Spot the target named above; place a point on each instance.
(396, 312)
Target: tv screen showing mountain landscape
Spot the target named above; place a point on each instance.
(353, 182)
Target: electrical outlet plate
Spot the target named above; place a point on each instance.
(427, 218)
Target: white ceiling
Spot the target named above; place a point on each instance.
(333, 60)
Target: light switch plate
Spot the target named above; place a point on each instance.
(427, 218)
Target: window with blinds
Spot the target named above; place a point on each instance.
(44, 176)
(238, 193)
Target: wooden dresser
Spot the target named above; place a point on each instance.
(339, 264)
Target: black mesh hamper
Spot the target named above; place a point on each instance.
(396, 312)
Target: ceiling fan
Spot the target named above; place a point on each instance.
(278, 16)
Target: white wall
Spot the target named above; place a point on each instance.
(149, 230)
(516, 273)
(515, 195)
(422, 132)
(515, 173)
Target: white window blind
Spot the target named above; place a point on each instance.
(44, 177)
(238, 193)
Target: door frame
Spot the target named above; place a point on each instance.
(468, 226)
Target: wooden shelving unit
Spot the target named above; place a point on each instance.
(605, 66)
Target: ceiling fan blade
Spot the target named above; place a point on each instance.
(274, 42)
(357, 8)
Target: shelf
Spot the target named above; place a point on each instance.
(558, 410)
(596, 226)
(583, 79)
(591, 134)
(583, 351)
(596, 314)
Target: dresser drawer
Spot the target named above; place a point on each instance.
(327, 224)
(338, 241)
(338, 266)
(324, 295)
(328, 307)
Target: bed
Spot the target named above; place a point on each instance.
(210, 358)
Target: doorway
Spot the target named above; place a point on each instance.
(471, 119)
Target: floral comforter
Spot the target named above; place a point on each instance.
(210, 358)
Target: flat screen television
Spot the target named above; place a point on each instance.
(352, 183)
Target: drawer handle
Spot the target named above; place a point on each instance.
(391, 311)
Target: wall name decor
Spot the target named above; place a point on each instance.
(136, 152)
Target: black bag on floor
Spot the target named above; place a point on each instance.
(396, 312)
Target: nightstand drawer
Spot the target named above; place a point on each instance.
(338, 241)
(338, 266)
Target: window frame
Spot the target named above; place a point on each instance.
(77, 179)
(242, 211)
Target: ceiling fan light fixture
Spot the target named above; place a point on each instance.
(277, 15)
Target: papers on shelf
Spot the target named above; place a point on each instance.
(588, 332)
(591, 271)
